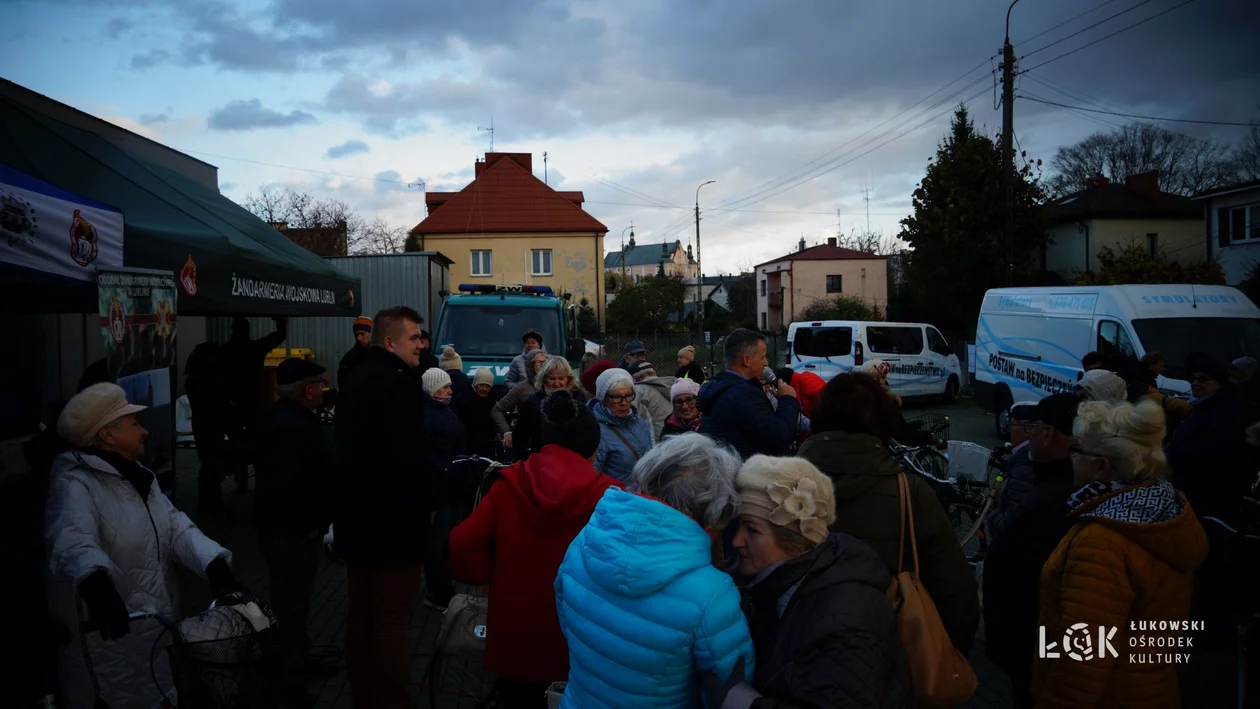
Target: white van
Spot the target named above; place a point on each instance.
(921, 362)
(1030, 341)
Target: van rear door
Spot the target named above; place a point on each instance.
(825, 350)
(901, 346)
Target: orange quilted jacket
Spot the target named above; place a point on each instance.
(1130, 557)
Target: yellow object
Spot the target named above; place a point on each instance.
(278, 355)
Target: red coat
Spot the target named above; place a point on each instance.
(808, 387)
(515, 541)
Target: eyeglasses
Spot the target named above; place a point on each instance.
(685, 401)
(621, 398)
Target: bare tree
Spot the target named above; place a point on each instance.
(871, 242)
(377, 237)
(1247, 155)
(1187, 165)
(301, 210)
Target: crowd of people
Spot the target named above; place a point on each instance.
(665, 541)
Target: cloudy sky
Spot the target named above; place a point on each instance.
(797, 108)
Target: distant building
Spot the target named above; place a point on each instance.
(640, 260)
(1107, 214)
(789, 284)
(508, 227)
(1232, 219)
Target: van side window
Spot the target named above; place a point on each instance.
(1113, 338)
(937, 343)
(894, 340)
(823, 341)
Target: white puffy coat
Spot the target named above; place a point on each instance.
(95, 519)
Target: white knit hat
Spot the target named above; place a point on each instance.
(434, 379)
(91, 410)
(483, 375)
(612, 379)
(787, 492)
(1101, 385)
(450, 359)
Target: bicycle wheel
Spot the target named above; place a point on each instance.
(968, 522)
(457, 683)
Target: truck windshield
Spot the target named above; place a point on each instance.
(1224, 339)
(495, 330)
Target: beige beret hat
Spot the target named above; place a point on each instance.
(787, 492)
(91, 410)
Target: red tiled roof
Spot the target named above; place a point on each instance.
(505, 197)
(825, 252)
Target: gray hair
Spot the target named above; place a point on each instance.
(97, 442)
(693, 474)
(554, 364)
(739, 343)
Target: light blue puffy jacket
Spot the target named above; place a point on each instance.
(643, 609)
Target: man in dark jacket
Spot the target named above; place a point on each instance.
(386, 495)
(735, 408)
(1208, 453)
(291, 512)
(1018, 476)
(354, 356)
(1025, 535)
(635, 352)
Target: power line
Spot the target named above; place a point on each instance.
(1092, 119)
(1085, 29)
(300, 169)
(1141, 117)
(1067, 21)
(1106, 37)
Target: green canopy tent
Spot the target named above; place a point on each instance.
(227, 261)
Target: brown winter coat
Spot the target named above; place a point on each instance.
(865, 478)
(1111, 569)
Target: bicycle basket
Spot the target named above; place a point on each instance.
(935, 424)
(968, 459)
(226, 657)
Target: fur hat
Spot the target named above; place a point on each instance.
(787, 492)
(689, 352)
(434, 379)
(450, 359)
(684, 386)
(483, 375)
(1102, 385)
(568, 422)
(362, 324)
(91, 410)
(612, 379)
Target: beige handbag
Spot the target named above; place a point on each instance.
(943, 679)
(463, 632)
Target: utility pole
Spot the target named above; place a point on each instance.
(1008, 135)
(623, 251)
(545, 182)
(699, 265)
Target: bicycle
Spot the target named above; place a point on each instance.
(963, 491)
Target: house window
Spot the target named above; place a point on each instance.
(1237, 224)
(834, 284)
(1152, 245)
(541, 259)
(763, 315)
(763, 292)
(482, 264)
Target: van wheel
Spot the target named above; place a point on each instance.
(1002, 416)
(951, 390)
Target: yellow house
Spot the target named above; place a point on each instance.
(508, 227)
(791, 283)
(1106, 214)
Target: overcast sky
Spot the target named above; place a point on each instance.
(636, 103)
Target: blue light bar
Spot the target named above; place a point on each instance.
(487, 288)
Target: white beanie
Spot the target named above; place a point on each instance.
(612, 379)
(434, 379)
(91, 410)
(483, 375)
(1101, 385)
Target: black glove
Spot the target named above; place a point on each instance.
(107, 613)
(732, 693)
(222, 581)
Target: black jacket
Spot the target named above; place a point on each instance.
(474, 412)
(1019, 482)
(527, 435)
(243, 362)
(1032, 526)
(736, 411)
(214, 420)
(692, 371)
(293, 473)
(351, 359)
(460, 382)
(447, 439)
(1210, 461)
(385, 487)
(835, 642)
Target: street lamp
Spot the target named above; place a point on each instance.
(623, 250)
(699, 267)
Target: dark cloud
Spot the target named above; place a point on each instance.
(348, 148)
(118, 26)
(250, 114)
(152, 119)
(151, 58)
(388, 181)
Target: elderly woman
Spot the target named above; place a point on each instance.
(625, 435)
(686, 417)
(852, 425)
(1132, 554)
(113, 541)
(534, 360)
(641, 606)
(1102, 385)
(837, 644)
(554, 375)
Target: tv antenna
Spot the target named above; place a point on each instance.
(545, 168)
(489, 130)
(418, 183)
(866, 197)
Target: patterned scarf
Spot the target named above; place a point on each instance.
(678, 423)
(1141, 503)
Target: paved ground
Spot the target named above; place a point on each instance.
(461, 682)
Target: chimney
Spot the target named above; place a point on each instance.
(801, 246)
(831, 241)
(1145, 184)
(631, 244)
(1097, 181)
